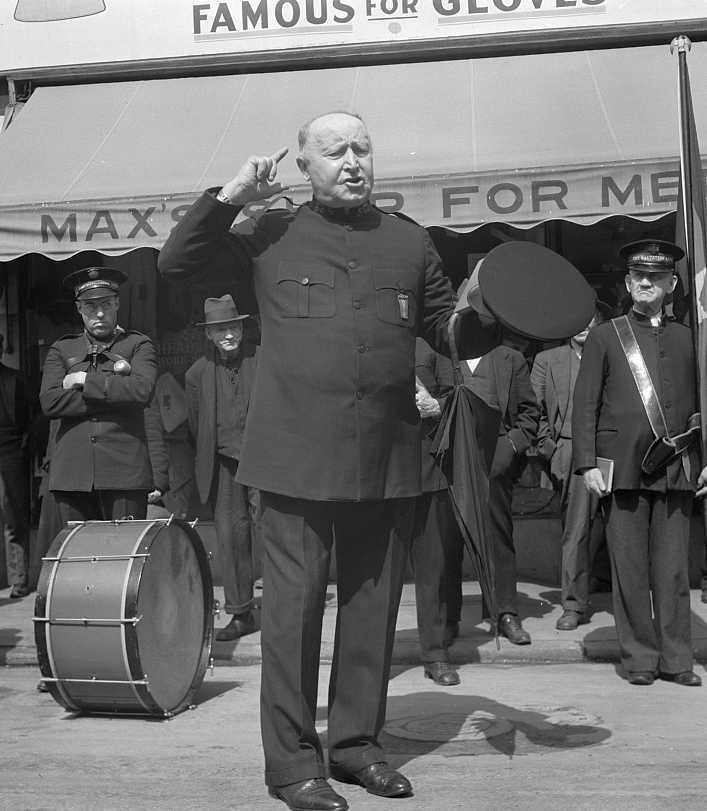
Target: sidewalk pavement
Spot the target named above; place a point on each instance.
(539, 607)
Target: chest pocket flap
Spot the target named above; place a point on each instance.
(305, 290)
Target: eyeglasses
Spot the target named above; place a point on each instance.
(92, 306)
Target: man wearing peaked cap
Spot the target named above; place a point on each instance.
(98, 383)
(218, 388)
(648, 509)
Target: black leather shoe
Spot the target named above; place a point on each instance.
(510, 627)
(451, 632)
(641, 678)
(570, 620)
(238, 626)
(687, 678)
(309, 795)
(442, 673)
(18, 591)
(376, 778)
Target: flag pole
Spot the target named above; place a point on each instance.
(682, 44)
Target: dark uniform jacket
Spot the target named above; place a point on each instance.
(341, 301)
(608, 418)
(200, 385)
(100, 442)
(14, 412)
(502, 380)
(437, 375)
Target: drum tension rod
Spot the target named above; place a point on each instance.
(94, 558)
(88, 621)
(94, 680)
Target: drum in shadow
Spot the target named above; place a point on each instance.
(124, 616)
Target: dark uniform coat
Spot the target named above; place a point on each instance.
(333, 413)
(200, 385)
(100, 443)
(608, 418)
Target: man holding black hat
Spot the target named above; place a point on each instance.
(98, 383)
(636, 384)
(332, 437)
(218, 387)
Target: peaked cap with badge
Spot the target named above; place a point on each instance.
(651, 255)
(94, 282)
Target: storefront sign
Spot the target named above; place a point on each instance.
(41, 34)
(462, 202)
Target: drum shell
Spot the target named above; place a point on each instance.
(124, 616)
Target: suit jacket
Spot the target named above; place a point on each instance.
(551, 381)
(437, 376)
(608, 418)
(100, 442)
(200, 385)
(503, 376)
(341, 301)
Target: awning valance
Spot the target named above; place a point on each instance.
(521, 140)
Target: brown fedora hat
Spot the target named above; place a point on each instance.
(221, 310)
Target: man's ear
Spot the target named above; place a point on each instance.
(675, 281)
(627, 282)
(302, 166)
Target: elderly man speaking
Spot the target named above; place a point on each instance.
(332, 437)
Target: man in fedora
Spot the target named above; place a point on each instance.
(98, 384)
(641, 355)
(218, 387)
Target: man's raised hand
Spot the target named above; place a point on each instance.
(255, 179)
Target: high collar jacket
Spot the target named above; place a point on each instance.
(608, 418)
(332, 415)
(100, 443)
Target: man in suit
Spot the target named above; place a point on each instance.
(501, 379)
(647, 514)
(218, 388)
(14, 476)
(332, 437)
(98, 384)
(553, 378)
(437, 545)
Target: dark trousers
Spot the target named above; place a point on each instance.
(436, 555)
(578, 510)
(372, 546)
(505, 470)
(101, 505)
(234, 521)
(14, 515)
(648, 534)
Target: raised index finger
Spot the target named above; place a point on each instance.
(280, 154)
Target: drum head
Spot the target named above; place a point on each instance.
(535, 291)
(172, 603)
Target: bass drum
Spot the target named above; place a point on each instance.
(124, 616)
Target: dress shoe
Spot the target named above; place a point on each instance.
(240, 625)
(376, 778)
(570, 619)
(687, 678)
(42, 687)
(510, 627)
(442, 673)
(641, 677)
(18, 591)
(451, 632)
(309, 795)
